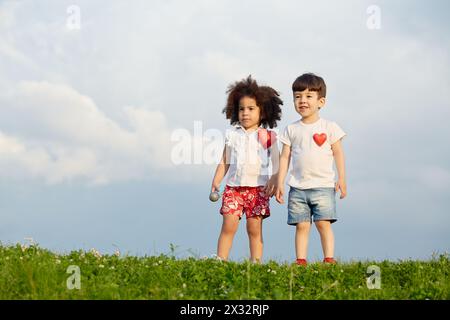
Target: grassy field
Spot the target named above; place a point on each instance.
(31, 272)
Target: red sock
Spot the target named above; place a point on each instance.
(330, 260)
(301, 262)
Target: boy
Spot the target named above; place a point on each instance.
(312, 143)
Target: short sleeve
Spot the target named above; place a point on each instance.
(273, 139)
(336, 133)
(228, 137)
(285, 138)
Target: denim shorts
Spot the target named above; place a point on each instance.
(306, 205)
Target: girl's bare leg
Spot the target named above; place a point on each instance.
(229, 227)
(254, 231)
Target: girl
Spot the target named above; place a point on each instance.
(250, 157)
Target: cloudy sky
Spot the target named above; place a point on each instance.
(95, 95)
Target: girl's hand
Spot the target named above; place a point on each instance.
(279, 194)
(270, 187)
(215, 187)
(341, 185)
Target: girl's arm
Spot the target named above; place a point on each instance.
(221, 170)
(275, 158)
(338, 154)
(271, 185)
(284, 165)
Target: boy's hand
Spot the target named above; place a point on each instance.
(270, 186)
(341, 185)
(279, 194)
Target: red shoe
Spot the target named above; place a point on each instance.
(329, 260)
(301, 262)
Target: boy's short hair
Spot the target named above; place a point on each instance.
(311, 82)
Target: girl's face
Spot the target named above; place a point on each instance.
(249, 113)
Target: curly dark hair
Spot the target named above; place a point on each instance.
(267, 99)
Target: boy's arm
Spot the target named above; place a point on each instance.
(284, 165)
(221, 170)
(338, 154)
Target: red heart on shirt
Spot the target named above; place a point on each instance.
(319, 139)
(266, 138)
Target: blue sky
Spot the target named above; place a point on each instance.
(87, 115)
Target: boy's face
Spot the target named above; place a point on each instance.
(249, 113)
(307, 103)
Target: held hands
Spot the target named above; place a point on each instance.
(279, 193)
(271, 186)
(341, 185)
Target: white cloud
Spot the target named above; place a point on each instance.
(99, 104)
(56, 165)
(177, 70)
(7, 18)
(60, 135)
(220, 64)
(10, 52)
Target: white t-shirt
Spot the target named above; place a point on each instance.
(311, 157)
(250, 163)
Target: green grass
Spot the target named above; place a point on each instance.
(35, 273)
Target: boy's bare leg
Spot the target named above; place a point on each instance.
(254, 231)
(326, 237)
(229, 227)
(301, 239)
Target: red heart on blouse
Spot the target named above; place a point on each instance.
(266, 138)
(319, 139)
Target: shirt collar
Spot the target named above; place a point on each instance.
(238, 126)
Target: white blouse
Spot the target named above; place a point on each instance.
(251, 163)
